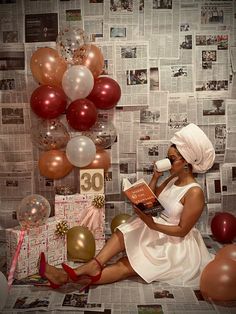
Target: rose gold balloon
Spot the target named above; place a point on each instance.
(54, 164)
(228, 251)
(101, 161)
(47, 66)
(218, 280)
(90, 56)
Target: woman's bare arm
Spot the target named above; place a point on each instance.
(193, 207)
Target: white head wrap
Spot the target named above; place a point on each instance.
(195, 147)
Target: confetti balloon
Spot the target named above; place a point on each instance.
(50, 134)
(68, 41)
(102, 133)
(32, 211)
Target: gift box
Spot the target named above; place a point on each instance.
(83, 210)
(36, 240)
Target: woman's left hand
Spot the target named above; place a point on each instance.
(147, 219)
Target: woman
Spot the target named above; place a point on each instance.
(168, 248)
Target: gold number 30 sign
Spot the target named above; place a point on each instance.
(91, 181)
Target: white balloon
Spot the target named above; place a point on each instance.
(77, 82)
(80, 151)
(3, 290)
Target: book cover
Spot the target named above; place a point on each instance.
(141, 195)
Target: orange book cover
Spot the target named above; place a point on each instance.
(141, 195)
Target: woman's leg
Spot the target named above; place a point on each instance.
(115, 272)
(113, 246)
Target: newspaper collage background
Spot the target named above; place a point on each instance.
(175, 62)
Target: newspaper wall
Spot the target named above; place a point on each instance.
(175, 62)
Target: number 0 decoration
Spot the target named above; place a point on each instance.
(91, 181)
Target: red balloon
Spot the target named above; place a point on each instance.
(223, 227)
(81, 114)
(106, 93)
(48, 102)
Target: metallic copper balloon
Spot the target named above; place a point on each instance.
(102, 161)
(80, 244)
(54, 164)
(228, 251)
(90, 56)
(218, 280)
(47, 66)
(118, 220)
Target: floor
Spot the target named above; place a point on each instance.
(129, 296)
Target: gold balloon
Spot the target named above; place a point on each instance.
(118, 220)
(80, 244)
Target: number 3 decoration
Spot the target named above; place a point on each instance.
(91, 181)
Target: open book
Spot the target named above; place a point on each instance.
(141, 195)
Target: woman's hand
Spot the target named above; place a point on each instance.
(147, 219)
(156, 174)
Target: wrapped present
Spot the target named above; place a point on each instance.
(83, 210)
(36, 240)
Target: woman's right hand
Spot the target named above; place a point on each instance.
(156, 173)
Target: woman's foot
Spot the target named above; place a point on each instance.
(91, 268)
(56, 275)
(87, 274)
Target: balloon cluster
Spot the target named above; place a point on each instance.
(71, 84)
(218, 279)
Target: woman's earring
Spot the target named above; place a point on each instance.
(186, 169)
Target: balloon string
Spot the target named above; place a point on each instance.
(15, 259)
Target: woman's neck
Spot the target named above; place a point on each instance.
(185, 178)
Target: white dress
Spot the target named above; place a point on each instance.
(156, 256)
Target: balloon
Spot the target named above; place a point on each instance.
(77, 82)
(106, 93)
(102, 161)
(32, 211)
(81, 114)
(80, 150)
(50, 134)
(223, 227)
(54, 164)
(68, 41)
(3, 291)
(218, 280)
(47, 66)
(90, 56)
(80, 244)
(118, 220)
(103, 134)
(228, 251)
(48, 102)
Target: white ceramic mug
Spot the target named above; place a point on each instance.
(163, 165)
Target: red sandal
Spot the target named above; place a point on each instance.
(74, 277)
(42, 270)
